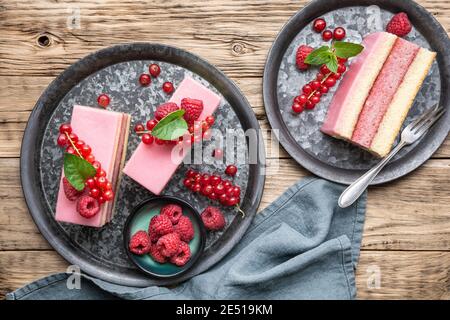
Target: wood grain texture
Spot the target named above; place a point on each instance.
(403, 275)
(407, 229)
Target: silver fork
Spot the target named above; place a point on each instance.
(409, 135)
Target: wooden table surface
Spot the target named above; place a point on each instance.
(406, 242)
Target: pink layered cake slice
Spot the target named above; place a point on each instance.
(152, 166)
(369, 107)
(354, 88)
(107, 134)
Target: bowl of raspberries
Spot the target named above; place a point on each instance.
(164, 236)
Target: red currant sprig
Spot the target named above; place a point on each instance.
(214, 188)
(313, 91)
(99, 186)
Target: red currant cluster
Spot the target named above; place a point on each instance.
(154, 71)
(99, 186)
(319, 26)
(213, 187)
(197, 132)
(313, 91)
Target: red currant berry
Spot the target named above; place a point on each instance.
(330, 82)
(139, 127)
(196, 187)
(210, 120)
(205, 179)
(65, 128)
(167, 87)
(327, 35)
(73, 137)
(79, 144)
(323, 89)
(231, 170)
(215, 180)
(226, 184)
(90, 183)
(342, 60)
(341, 68)
(70, 150)
(219, 189)
(187, 182)
(190, 173)
(97, 166)
(337, 76)
(147, 138)
(309, 105)
(212, 196)
(101, 200)
(100, 182)
(62, 140)
(218, 153)
(320, 77)
(145, 79)
(108, 186)
(315, 84)
(207, 190)
(236, 191)
(232, 201)
(223, 199)
(101, 173)
(154, 70)
(324, 70)
(307, 89)
(151, 124)
(90, 158)
(159, 141)
(315, 99)
(297, 107)
(94, 193)
(103, 100)
(108, 195)
(319, 25)
(339, 33)
(85, 150)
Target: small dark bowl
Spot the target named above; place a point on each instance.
(139, 220)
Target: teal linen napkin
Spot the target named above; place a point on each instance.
(302, 246)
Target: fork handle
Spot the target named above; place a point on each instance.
(354, 191)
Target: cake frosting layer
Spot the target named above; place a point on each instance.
(102, 130)
(383, 91)
(152, 166)
(355, 86)
(402, 102)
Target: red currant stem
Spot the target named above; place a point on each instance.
(321, 82)
(73, 145)
(144, 131)
(240, 210)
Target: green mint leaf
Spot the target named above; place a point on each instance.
(319, 56)
(347, 49)
(77, 170)
(333, 64)
(171, 126)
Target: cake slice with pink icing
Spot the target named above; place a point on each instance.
(152, 166)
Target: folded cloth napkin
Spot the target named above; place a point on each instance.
(302, 246)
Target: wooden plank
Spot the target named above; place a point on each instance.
(15, 108)
(237, 45)
(392, 223)
(402, 274)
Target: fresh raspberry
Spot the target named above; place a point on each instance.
(156, 255)
(173, 212)
(159, 226)
(193, 108)
(164, 109)
(399, 25)
(140, 243)
(213, 218)
(168, 244)
(154, 237)
(182, 256)
(71, 193)
(302, 53)
(87, 206)
(185, 229)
